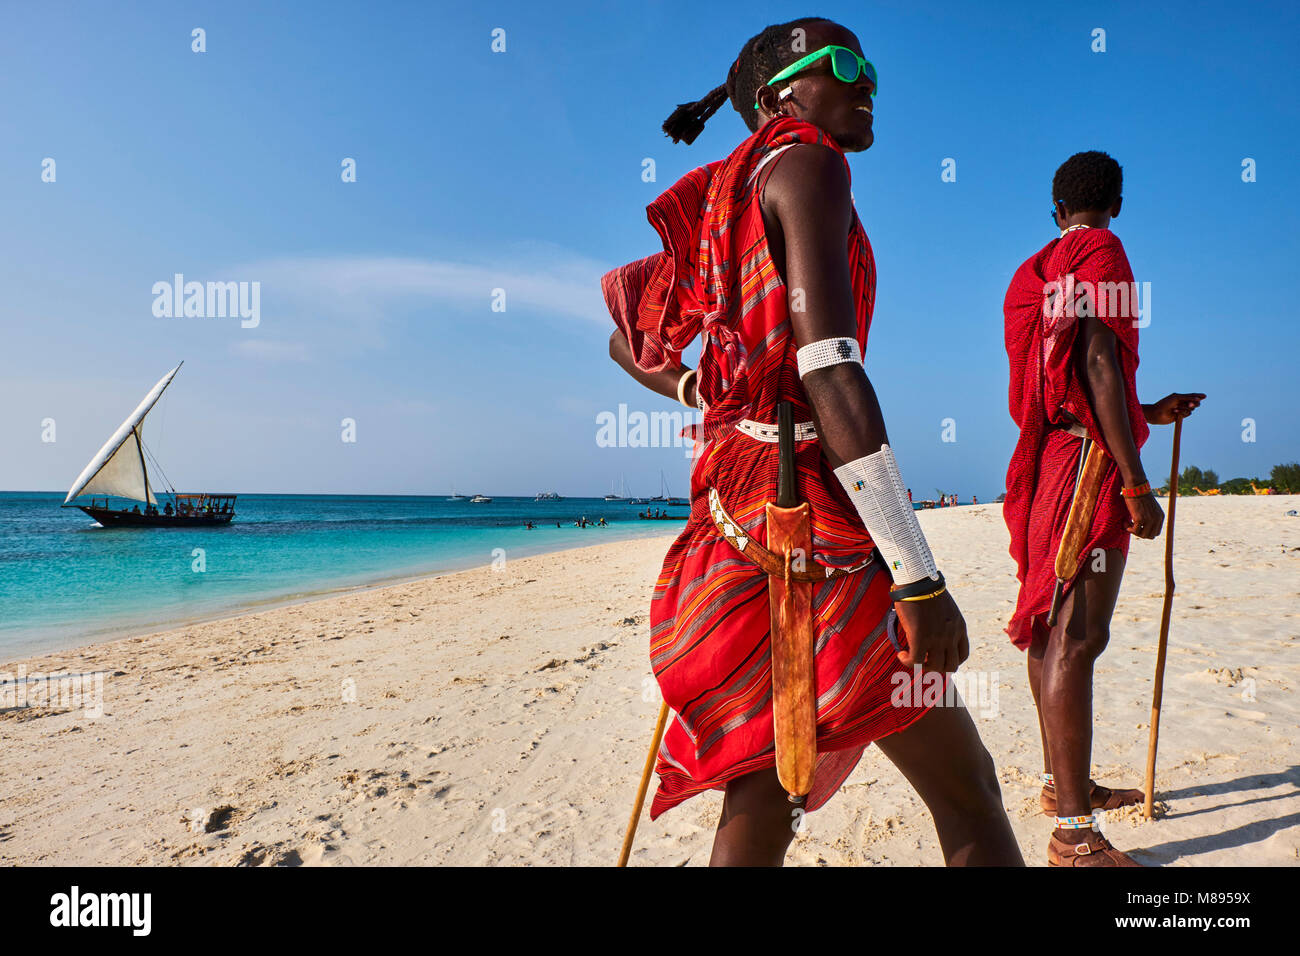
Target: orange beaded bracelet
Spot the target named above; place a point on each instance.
(1138, 491)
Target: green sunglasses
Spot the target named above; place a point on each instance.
(845, 64)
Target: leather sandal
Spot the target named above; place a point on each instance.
(1095, 850)
(1102, 798)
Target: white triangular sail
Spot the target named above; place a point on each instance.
(118, 468)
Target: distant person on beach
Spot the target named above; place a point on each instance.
(780, 213)
(1073, 350)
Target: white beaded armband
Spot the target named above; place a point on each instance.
(876, 489)
(825, 352)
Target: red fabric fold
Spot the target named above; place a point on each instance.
(642, 294)
(1050, 293)
(662, 302)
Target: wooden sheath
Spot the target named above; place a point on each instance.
(1078, 522)
(794, 703)
(794, 707)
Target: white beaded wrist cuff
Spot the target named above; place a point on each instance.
(825, 352)
(876, 489)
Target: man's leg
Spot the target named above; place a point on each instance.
(943, 758)
(1065, 691)
(1034, 663)
(757, 823)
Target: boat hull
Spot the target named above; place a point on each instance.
(129, 519)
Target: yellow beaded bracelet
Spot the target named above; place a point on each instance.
(926, 597)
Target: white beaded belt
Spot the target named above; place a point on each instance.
(803, 431)
(734, 532)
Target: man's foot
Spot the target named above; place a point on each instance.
(1084, 848)
(1102, 798)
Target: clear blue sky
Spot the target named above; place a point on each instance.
(522, 170)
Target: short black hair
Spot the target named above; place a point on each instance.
(763, 56)
(1086, 182)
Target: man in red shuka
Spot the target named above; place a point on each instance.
(1072, 319)
(764, 256)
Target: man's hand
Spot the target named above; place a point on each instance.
(1148, 517)
(935, 633)
(1172, 407)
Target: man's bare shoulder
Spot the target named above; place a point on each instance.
(811, 178)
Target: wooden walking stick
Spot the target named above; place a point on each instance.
(645, 783)
(1164, 628)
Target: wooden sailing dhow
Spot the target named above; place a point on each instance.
(119, 471)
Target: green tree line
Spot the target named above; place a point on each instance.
(1283, 479)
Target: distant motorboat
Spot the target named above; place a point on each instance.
(479, 500)
(118, 470)
(454, 496)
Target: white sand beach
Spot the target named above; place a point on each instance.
(501, 717)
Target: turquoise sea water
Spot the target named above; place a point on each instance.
(65, 581)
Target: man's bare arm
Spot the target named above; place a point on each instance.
(665, 382)
(808, 197)
(808, 193)
(1103, 381)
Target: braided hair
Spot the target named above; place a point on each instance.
(761, 58)
(1088, 181)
